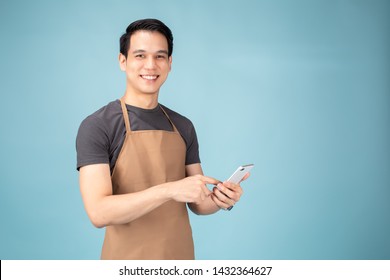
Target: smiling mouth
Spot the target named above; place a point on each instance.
(149, 77)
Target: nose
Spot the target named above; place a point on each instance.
(150, 63)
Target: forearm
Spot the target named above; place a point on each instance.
(124, 208)
(104, 208)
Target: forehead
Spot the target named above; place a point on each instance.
(148, 41)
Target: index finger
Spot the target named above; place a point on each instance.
(210, 180)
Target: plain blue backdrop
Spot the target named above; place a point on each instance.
(299, 88)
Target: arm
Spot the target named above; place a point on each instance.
(104, 208)
(223, 196)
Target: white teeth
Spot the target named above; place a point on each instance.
(149, 77)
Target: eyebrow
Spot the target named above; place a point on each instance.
(143, 51)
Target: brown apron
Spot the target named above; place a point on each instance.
(149, 158)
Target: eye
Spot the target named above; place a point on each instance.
(140, 56)
(161, 57)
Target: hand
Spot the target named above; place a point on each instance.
(227, 194)
(191, 189)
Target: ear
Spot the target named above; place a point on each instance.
(122, 62)
(170, 63)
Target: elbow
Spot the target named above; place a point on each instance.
(97, 220)
(97, 224)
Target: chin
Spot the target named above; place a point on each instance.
(149, 92)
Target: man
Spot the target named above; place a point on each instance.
(139, 161)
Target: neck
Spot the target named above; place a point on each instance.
(144, 101)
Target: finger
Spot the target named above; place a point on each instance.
(219, 203)
(245, 177)
(209, 180)
(222, 197)
(225, 191)
(233, 191)
(230, 186)
(205, 190)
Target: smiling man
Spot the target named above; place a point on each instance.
(139, 161)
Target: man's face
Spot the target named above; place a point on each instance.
(147, 64)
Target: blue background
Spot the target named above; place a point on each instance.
(300, 88)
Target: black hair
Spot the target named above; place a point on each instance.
(148, 25)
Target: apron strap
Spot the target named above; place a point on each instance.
(125, 115)
(165, 113)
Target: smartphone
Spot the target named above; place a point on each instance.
(240, 173)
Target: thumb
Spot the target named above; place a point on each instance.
(245, 177)
(205, 190)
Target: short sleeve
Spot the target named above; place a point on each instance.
(92, 142)
(192, 155)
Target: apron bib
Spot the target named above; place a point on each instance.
(149, 158)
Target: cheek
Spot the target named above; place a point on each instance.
(134, 69)
(166, 67)
(133, 64)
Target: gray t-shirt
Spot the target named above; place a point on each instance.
(101, 135)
